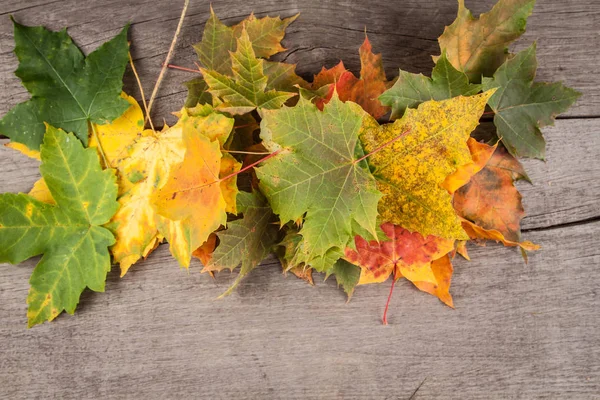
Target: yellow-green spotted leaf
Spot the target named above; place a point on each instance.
(410, 170)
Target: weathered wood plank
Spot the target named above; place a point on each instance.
(405, 33)
(565, 189)
(519, 331)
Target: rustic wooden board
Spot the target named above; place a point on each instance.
(404, 32)
(519, 331)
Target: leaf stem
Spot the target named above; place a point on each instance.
(247, 167)
(139, 82)
(400, 136)
(169, 55)
(99, 145)
(387, 304)
(173, 66)
(245, 152)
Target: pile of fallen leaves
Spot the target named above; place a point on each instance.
(328, 184)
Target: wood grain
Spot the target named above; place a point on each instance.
(518, 332)
(405, 33)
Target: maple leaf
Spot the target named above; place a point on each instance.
(246, 241)
(193, 199)
(219, 40)
(246, 91)
(410, 90)
(480, 155)
(364, 91)
(68, 90)
(491, 199)
(69, 235)
(479, 46)
(522, 106)
(143, 166)
(318, 172)
(442, 270)
(346, 274)
(402, 254)
(411, 170)
(478, 233)
(204, 253)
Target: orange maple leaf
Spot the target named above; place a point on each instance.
(364, 91)
(491, 200)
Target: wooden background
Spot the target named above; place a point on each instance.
(518, 331)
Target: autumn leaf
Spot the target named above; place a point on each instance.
(69, 234)
(364, 91)
(246, 91)
(478, 47)
(410, 90)
(219, 40)
(328, 76)
(480, 155)
(115, 139)
(491, 200)
(193, 199)
(345, 273)
(522, 106)
(69, 91)
(317, 176)
(204, 253)
(411, 170)
(246, 241)
(144, 169)
(442, 270)
(403, 254)
(479, 234)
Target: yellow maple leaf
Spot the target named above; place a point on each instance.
(192, 200)
(430, 144)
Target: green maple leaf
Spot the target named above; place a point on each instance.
(347, 275)
(246, 241)
(69, 235)
(479, 46)
(68, 90)
(410, 89)
(317, 176)
(522, 106)
(246, 91)
(219, 40)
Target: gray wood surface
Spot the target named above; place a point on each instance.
(518, 331)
